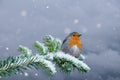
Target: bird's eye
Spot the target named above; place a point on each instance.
(80, 34)
(73, 34)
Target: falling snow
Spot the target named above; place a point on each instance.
(47, 6)
(7, 48)
(36, 74)
(23, 13)
(98, 25)
(26, 74)
(76, 21)
(102, 14)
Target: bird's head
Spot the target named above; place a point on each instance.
(74, 39)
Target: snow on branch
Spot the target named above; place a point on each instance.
(66, 60)
(49, 55)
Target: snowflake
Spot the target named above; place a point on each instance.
(47, 6)
(98, 25)
(76, 21)
(23, 13)
(7, 48)
(36, 74)
(26, 74)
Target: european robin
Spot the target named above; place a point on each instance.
(72, 44)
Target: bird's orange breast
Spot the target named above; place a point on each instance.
(74, 40)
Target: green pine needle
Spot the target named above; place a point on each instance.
(49, 53)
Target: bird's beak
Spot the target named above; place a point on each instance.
(80, 34)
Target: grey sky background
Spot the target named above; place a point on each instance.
(25, 21)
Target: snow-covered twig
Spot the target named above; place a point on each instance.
(49, 55)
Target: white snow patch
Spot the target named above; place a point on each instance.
(42, 45)
(49, 36)
(47, 63)
(76, 61)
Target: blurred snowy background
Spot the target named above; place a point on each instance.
(25, 21)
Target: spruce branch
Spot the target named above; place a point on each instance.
(48, 56)
(13, 65)
(25, 51)
(53, 44)
(41, 48)
(68, 63)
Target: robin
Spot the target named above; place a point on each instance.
(72, 44)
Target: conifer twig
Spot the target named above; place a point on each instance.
(48, 56)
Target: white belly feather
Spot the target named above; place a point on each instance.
(75, 51)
